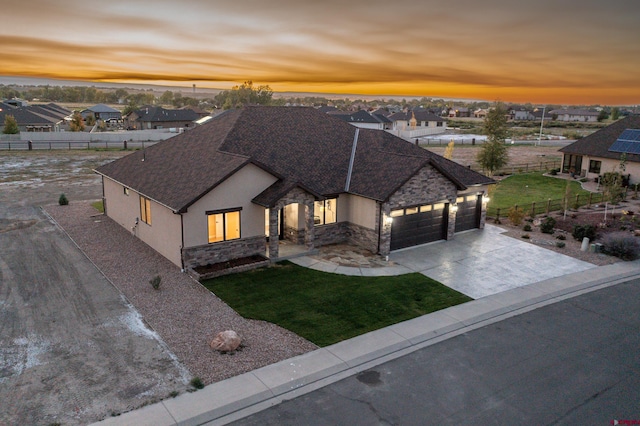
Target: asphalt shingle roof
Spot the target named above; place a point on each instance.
(597, 144)
(299, 145)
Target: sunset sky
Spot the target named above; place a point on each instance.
(551, 51)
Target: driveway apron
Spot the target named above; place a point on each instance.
(483, 262)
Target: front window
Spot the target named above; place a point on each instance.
(223, 225)
(145, 210)
(325, 212)
(594, 166)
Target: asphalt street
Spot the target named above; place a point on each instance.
(575, 362)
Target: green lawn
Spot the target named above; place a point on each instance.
(526, 188)
(327, 308)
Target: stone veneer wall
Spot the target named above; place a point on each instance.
(426, 187)
(334, 233)
(294, 235)
(223, 251)
(362, 237)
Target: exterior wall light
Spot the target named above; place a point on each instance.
(454, 207)
(485, 199)
(388, 220)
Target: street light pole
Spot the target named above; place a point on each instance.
(541, 124)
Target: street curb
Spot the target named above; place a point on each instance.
(243, 395)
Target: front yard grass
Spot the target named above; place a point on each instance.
(526, 188)
(327, 308)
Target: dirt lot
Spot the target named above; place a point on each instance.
(72, 349)
(518, 154)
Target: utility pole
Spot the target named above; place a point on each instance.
(541, 124)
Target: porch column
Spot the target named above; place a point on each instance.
(451, 225)
(273, 233)
(384, 222)
(484, 199)
(309, 231)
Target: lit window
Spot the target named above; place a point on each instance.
(426, 208)
(325, 212)
(411, 210)
(396, 213)
(438, 206)
(145, 210)
(223, 226)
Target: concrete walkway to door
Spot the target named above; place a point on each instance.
(477, 263)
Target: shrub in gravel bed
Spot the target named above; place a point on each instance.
(547, 225)
(526, 227)
(63, 201)
(581, 231)
(622, 245)
(560, 244)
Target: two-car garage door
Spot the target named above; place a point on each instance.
(413, 226)
(419, 225)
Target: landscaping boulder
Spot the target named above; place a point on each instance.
(226, 341)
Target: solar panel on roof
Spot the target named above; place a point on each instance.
(628, 142)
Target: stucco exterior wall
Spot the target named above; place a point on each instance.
(357, 210)
(164, 232)
(235, 192)
(610, 165)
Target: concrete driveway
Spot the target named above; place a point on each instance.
(479, 263)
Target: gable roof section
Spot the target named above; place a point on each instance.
(101, 108)
(360, 116)
(597, 144)
(301, 146)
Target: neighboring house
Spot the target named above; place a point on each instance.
(416, 123)
(328, 109)
(102, 112)
(600, 152)
(237, 185)
(155, 117)
(457, 112)
(480, 113)
(574, 115)
(199, 111)
(364, 119)
(521, 114)
(36, 118)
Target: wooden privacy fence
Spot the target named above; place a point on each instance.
(545, 207)
(511, 169)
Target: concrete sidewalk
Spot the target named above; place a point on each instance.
(240, 396)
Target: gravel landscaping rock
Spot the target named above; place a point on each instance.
(185, 314)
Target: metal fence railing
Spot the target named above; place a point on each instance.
(69, 145)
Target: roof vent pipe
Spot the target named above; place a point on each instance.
(352, 159)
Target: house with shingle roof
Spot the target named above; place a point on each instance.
(602, 151)
(35, 118)
(574, 115)
(364, 119)
(102, 112)
(155, 117)
(251, 178)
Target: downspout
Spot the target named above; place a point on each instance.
(182, 237)
(352, 160)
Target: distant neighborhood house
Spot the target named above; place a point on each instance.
(416, 123)
(102, 112)
(155, 117)
(35, 118)
(574, 115)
